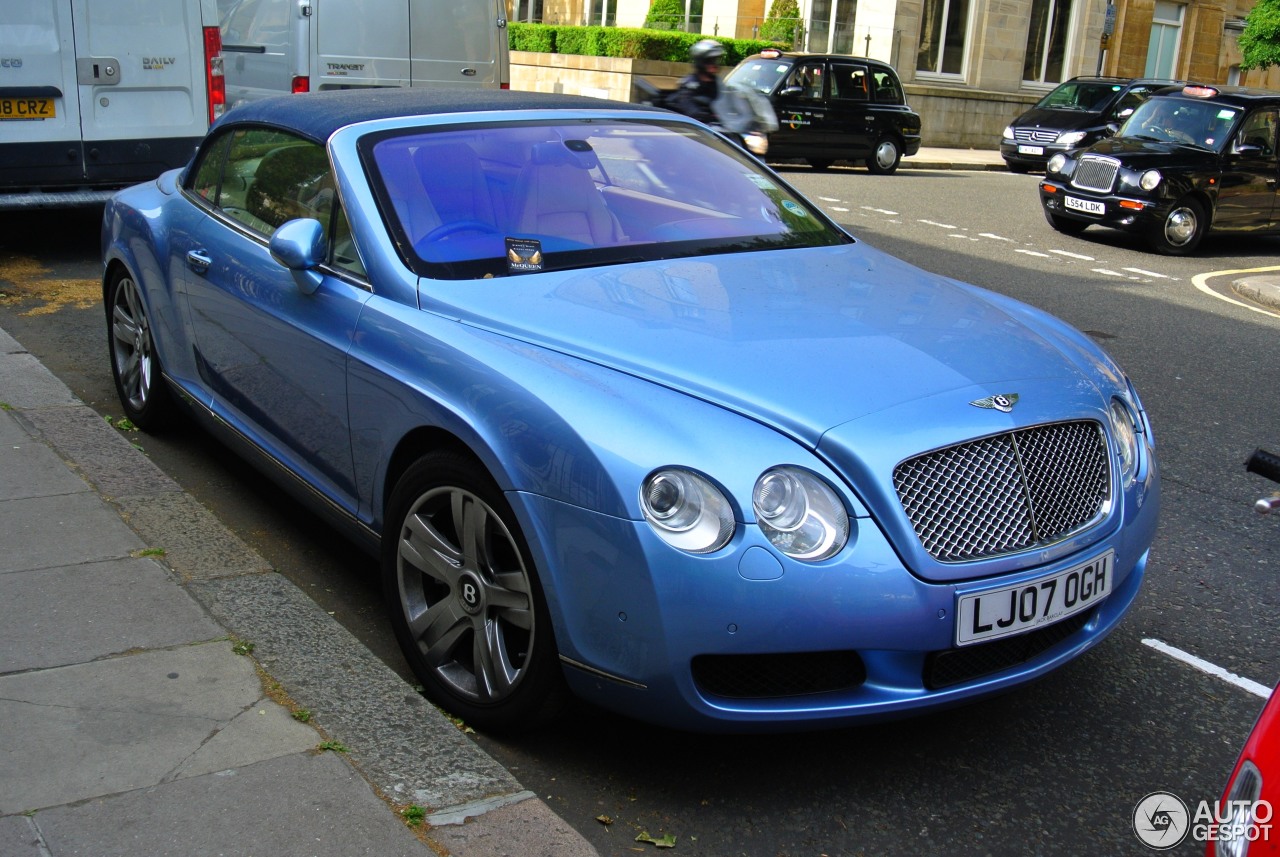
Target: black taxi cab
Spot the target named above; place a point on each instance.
(833, 108)
(1188, 162)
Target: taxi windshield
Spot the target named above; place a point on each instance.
(495, 199)
(1202, 124)
(761, 75)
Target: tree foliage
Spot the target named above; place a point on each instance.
(1260, 41)
(665, 12)
(782, 23)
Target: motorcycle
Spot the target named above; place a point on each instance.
(742, 114)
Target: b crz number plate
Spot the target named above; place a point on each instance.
(997, 613)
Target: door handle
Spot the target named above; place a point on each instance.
(198, 261)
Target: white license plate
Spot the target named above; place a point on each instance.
(997, 613)
(1031, 150)
(1088, 206)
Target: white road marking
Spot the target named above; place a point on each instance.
(994, 237)
(1201, 283)
(828, 199)
(880, 211)
(1143, 273)
(1032, 253)
(838, 208)
(1212, 669)
(1082, 258)
(936, 223)
(1107, 272)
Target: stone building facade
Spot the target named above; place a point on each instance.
(969, 66)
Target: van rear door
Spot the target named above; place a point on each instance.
(458, 44)
(361, 44)
(140, 69)
(39, 103)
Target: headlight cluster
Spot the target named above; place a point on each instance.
(1070, 139)
(1056, 163)
(798, 512)
(1150, 180)
(1124, 427)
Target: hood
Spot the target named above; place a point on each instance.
(1138, 154)
(1059, 120)
(799, 339)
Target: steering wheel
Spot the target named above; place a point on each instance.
(444, 230)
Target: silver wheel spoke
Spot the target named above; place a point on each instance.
(495, 674)
(438, 630)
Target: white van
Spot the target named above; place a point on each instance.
(275, 46)
(96, 95)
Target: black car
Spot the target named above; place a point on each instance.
(1077, 113)
(833, 108)
(1187, 162)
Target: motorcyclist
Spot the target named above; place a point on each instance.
(697, 90)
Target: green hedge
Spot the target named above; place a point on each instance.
(669, 45)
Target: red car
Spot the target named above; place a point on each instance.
(1252, 792)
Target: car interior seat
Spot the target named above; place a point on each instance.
(558, 197)
(291, 181)
(454, 182)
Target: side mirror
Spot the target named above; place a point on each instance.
(299, 245)
(1110, 130)
(792, 91)
(1247, 149)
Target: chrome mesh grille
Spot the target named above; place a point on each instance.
(1006, 493)
(1035, 135)
(1095, 173)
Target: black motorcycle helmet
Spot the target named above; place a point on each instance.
(706, 53)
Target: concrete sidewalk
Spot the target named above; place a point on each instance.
(132, 720)
(929, 158)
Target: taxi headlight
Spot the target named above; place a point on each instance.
(686, 510)
(1150, 180)
(800, 514)
(1056, 163)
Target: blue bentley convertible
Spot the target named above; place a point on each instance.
(626, 417)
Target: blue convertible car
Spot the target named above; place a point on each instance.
(626, 417)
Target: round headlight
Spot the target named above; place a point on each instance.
(1070, 138)
(1125, 430)
(800, 514)
(686, 510)
(1008, 132)
(1150, 179)
(1056, 163)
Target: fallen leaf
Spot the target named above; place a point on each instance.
(665, 841)
(604, 819)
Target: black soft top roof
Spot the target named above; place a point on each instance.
(318, 114)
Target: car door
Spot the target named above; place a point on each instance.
(852, 125)
(1250, 170)
(800, 103)
(272, 358)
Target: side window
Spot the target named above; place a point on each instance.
(1259, 129)
(808, 78)
(850, 82)
(272, 177)
(342, 249)
(887, 88)
(1132, 99)
(207, 176)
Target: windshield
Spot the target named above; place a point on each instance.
(1178, 120)
(498, 200)
(1091, 96)
(758, 74)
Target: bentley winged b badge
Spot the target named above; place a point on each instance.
(1002, 402)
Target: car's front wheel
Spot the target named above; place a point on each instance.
(886, 157)
(1182, 228)
(135, 366)
(1065, 225)
(465, 601)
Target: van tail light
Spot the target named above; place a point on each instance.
(301, 83)
(214, 83)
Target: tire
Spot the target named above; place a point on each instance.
(1065, 225)
(886, 157)
(1015, 167)
(820, 164)
(465, 601)
(135, 365)
(1182, 229)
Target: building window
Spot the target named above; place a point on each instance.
(944, 28)
(831, 26)
(604, 13)
(1166, 31)
(1046, 41)
(529, 11)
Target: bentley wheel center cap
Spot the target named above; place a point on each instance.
(470, 593)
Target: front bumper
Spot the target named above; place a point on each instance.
(1026, 154)
(1132, 214)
